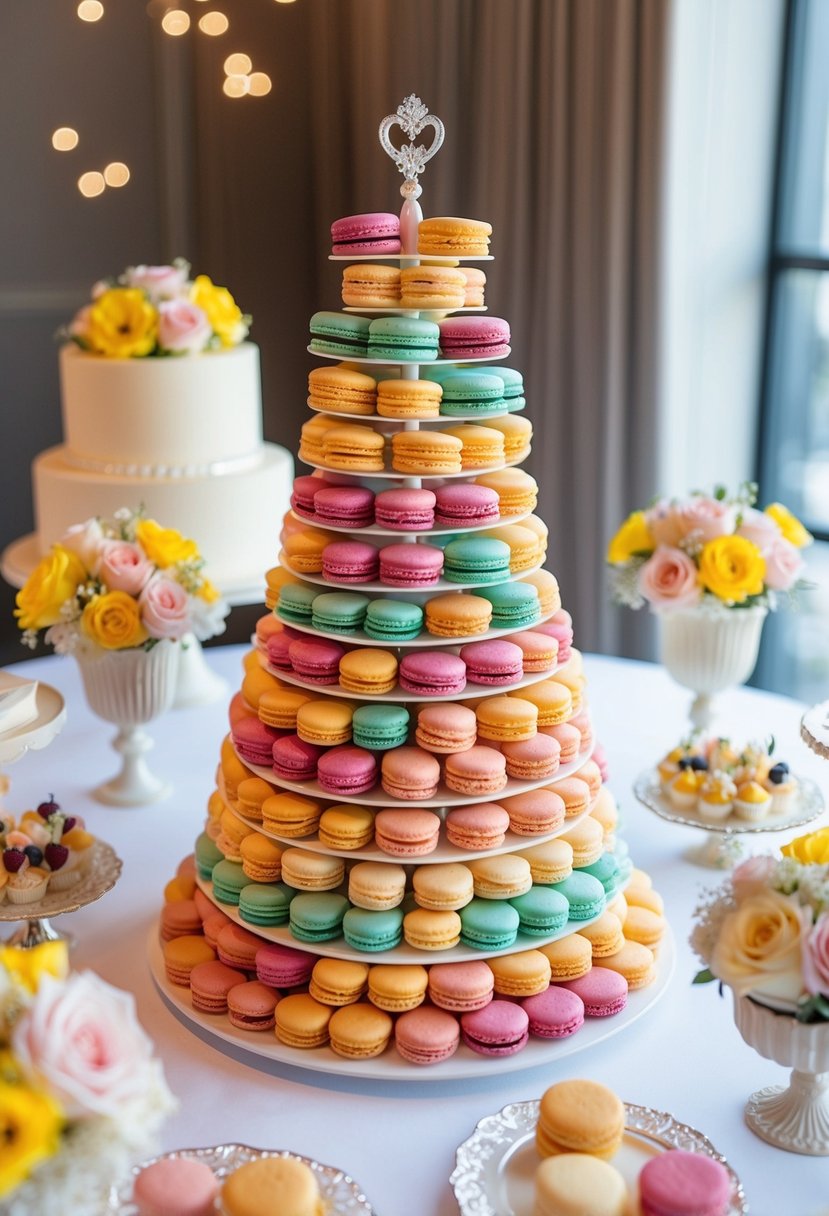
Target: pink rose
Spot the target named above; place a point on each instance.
(165, 608)
(816, 958)
(707, 518)
(80, 1039)
(752, 876)
(759, 528)
(664, 523)
(79, 325)
(86, 541)
(668, 579)
(123, 567)
(783, 564)
(182, 327)
(159, 282)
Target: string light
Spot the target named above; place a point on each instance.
(64, 139)
(116, 174)
(214, 24)
(238, 65)
(91, 184)
(90, 10)
(176, 22)
(260, 84)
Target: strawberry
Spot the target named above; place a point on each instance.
(56, 855)
(13, 859)
(48, 808)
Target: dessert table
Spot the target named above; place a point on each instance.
(398, 1140)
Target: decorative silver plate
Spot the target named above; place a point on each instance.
(495, 1167)
(101, 875)
(342, 1195)
(808, 805)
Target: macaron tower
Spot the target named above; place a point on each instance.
(383, 695)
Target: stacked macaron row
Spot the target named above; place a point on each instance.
(396, 339)
(385, 288)
(443, 391)
(493, 1007)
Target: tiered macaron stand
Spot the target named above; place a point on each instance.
(412, 117)
(104, 866)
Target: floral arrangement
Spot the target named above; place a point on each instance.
(765, 933)
(716, 549)
(158, 310)
(81, 1092)
(117, 585)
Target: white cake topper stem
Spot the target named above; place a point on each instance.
(411, 116)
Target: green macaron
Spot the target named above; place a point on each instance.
(228, 880)
(317, 917)
(393, 620)
(207, 856)
(379, 727)
(606, 869)
(476, 559)
(584, 893)
(265, 903)
(403, 338)
(371, 931)
(296, 603)
(489, 924)
(339, 611)
(339, 333)
(512, 604)
(542, 911)
(468, 395)
(513, 383)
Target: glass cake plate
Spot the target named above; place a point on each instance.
(341, 1194)
(495, 1167)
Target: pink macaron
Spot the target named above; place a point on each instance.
(501, 1028)
(426, 1035)
(278, 646)
(461, 987)
(237, 947)
(464, 505)
(409, 773)
(480, 826)
(432, 673)
(209, 985)
(316, 660)
(600, 756)
(568, 738)
(532, 759)
(560, 627)
(494, 662)
(406, 510)
(539, 650)
(374, 232)
(296, 760)
(474, 338)
(554, 1013)
(409, 833)
(251, 1006)
(302, 495)
(679, 1183)
(446, 727)
(347, 770)
(254, 741)
(602, 992)
(175, 1186)
(349, 561)
(344, 506)
(410, 565)
(535, 813)
(283, 966)
(584, 726)
(478, 771)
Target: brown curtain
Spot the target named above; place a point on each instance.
(555, 114)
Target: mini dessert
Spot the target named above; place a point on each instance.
(716, 797)
(679, 1183)
(782, 787)
(178, 1186)
(580, 1117)
(753, 802)
(564, 1183)
(684, 790)
(272, 1184)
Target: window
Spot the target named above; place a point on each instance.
(793, 457)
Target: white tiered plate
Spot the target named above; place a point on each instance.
(342, 1195)
(399, 696)
(444, 797)
(437, 258)
(464, 1064)
(401, 534)
(343, 358)
(425, 641)
(440, 420)
(808, 805)
(425, 314)
(496, 1165)
(391, 475)
(39, 733)
(390, 592)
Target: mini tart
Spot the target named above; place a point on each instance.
(753, 802)
(716, 799)
(27, 886)
(782, 795)
(684, 790)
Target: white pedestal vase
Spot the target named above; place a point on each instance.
(131, 688)
(709, 648)
(196, 684)
(794, 1118)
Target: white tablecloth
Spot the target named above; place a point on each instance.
(685, 1056)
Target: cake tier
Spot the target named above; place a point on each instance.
(179, 415)
(234, 517)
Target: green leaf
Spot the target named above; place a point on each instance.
(704, 977)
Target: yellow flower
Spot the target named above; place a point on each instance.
(30, 1127)
(164, 546)
(791, 527)
(221, 309)
(122, 324)
(732, 568)
(811, 849)
(27, 966)
(209, 592)
(114, 621)
(53, 581)
(758, 949)
(632, 538)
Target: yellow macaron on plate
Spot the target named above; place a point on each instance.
(495, 1167)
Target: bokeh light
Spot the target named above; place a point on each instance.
(90, 10)
(91, 184)
(214, 23)
(64, 139)
(260, 84)
(176, 22)
(238, 65)
(116, 174)
(284, 1)
(236, 86)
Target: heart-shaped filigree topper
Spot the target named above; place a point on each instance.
(411, 116)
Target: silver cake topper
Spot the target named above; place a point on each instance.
(411, 116)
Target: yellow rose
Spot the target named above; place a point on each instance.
(54, 580)
(791, 527)
(632, 538)
(758, 949)
(122, 324)
(113, 621)
(27, 966)
(811, 849)
(221, 310)
(164, 546)
(209, 592)
(30, 1127)
(732, 568)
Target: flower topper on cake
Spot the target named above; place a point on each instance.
(765, 933)
(707, 548)
(81, 1091)
(117, 585)
(158, 310)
